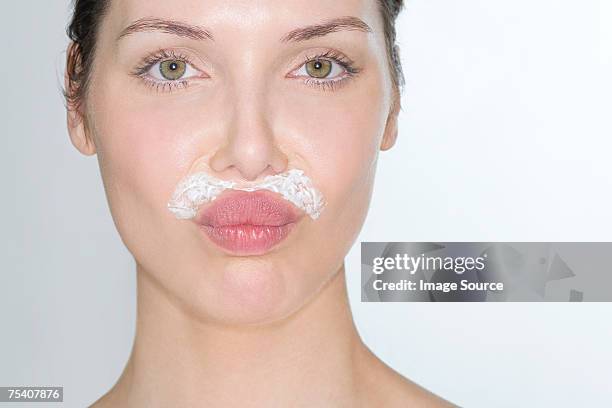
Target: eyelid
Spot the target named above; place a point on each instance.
(190, 71)
(142, 71)
(328, 83)
(164, 54)
(332, 55)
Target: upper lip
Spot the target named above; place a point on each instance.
(236, 207)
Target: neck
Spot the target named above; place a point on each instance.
(308, 359)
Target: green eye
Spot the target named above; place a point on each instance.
(172, 69)
(318, 68)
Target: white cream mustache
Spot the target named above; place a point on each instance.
(199, 188)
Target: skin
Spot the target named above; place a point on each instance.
(273, 330)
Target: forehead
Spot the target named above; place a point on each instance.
(249, 18)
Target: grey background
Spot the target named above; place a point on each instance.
(504, 137)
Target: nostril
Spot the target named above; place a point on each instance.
(248, 162)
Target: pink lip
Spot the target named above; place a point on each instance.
(248, 223)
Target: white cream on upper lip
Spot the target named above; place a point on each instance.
(199, 188)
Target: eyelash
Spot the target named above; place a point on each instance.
(332, 84)
(143, 68)
(141, 71)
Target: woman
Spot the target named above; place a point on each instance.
(241, 292)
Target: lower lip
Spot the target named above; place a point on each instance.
(247, 239)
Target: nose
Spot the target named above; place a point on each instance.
(251, 149)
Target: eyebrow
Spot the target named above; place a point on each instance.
(347, 23)
(167, 26)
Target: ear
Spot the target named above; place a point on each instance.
(391, 129)
(80, 136)
(79, 133)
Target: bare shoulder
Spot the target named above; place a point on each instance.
(107, 400)
(383, 386)
(404, 392)
(102, 402)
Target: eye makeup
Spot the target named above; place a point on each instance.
(335, 57)
(332, 59)
(166, 57)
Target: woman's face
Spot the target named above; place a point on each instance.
(246, 104)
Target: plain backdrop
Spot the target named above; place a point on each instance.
(504, 136)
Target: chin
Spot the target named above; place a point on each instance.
(247, 291)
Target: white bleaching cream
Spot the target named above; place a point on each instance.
(199, 188)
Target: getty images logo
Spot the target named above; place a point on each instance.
(412, 264)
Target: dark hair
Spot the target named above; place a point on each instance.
(87, 16)
(390, 9)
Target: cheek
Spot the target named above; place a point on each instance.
(143, 146)
(340, 135)
(343, 132)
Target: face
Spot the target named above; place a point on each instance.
(239, 93)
